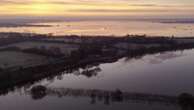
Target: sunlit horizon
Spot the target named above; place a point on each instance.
(96, 8)
(98, 17)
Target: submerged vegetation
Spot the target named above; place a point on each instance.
(184, 100)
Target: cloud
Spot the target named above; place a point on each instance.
(76, 7)
(150, 3)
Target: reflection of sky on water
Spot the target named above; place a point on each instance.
(159, 73)
(169, 73)
(24, 102)
(160, 58)
(107, 28)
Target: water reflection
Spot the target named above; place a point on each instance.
(38, 92)
(120, 74)
(160, 58)
(87, 71)
(105, 96)
(156, 58)
(186, 101)
(106, 28)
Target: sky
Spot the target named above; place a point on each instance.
(97, 8)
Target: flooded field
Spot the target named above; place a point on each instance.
(168, 74)
(118, 28)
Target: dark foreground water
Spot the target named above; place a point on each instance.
(169, 73)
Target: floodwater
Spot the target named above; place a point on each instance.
(169, 73)
(117, 28)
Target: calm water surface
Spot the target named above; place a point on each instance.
(169, 73)
(108, 28)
